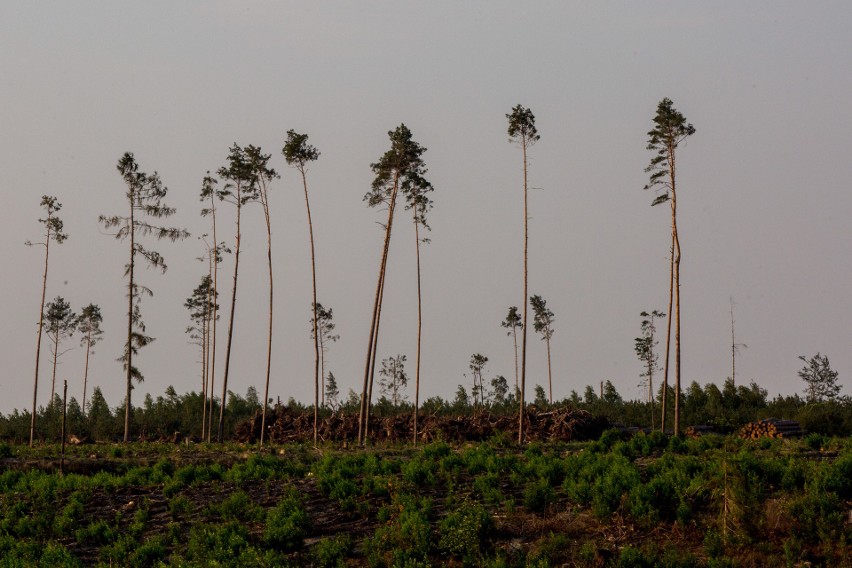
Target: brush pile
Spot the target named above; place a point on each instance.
(283, 425)
(771, 428)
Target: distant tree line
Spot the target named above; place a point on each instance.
(175, 417)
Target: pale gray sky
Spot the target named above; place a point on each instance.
(764, 183)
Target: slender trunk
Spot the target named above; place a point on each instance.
(265, 199)
(221, 430)
(419, 325)
(370, 363)
(55, 357)
(215, 315)
(86, 368)
(526, 308)
(316, 323)
(651, 373)
(515, 338)
(322, 366)
(549, 374)
(677, 326)
(665, 409)
(733, 349)
(374, 359)
(130, 296)
(204, 360)
(64, 414)
(40, 329)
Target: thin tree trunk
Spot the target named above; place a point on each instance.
(40, 329)
(221, 430)
(733, 349)
(215, 314)
(265, 199)
(668, 343)
(419, 325)
(316, 323)
(130, 294)
(677, 319)
(515, 338)
(64, 414)
(322, 366)
(370, 363)
(526, 308)
(374, 359)
(205, 360)
(55, 357)
(86, 368)
(549, 374)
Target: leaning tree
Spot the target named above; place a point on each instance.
(523, 132)
(670, 129)
(240, 189)
(263, 176)
(89, 325)
(53, 227)
(145, 194)
(299, 154)
(402, 163)
(210, 192)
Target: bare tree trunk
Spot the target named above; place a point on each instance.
(55, 357)
(317, 393)
(515, 338)
(370, 363)
(677, 316)
(215, 315)
(64, 413)
(131, 294)
(86, 368)
(668, 342)
(549, 374)
(265, 203)
(651, 378)
(40, 328)
(526, 308)
(733, 348)
(374, 359)
(221, 430)
(419, 326)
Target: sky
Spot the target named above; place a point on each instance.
(764, 191)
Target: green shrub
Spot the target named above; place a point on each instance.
(332, 552)
(465, 532)
(286, 525)
(538, 495)
(97, 532)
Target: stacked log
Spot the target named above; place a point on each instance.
(771, 428)
(699, 430)
(285, 425)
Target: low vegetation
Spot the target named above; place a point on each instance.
(640, 500)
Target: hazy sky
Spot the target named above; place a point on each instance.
(764, 184)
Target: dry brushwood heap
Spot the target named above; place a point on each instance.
(285, 425)
(771, 428)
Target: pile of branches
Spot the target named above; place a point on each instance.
(284, 425)
(771, 428)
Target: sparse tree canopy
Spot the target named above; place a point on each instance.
(89, 324)
(60, 323)
(393, 378)
(522, 126)
(543, 323)
(670, 129)
(523, 132)
(145, 194)
(820, 378)
(53, 228)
